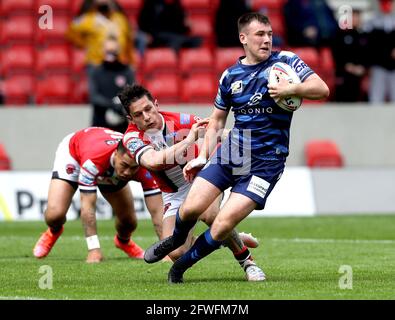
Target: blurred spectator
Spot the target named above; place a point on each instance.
(309, 23)
(381, 37)
(226, 32)
(105, 82)
(165, 22)
(350, 55)
(97, 21)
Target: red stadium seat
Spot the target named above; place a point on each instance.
(5, 161)
(160, 60)
(326, 60)
(54, 89)
(267, 5)
(10, 7)
(131, 5)
(164, 87)
(198, 6)
(17, 29)
(196, 60)
(75, 7)
(56, 34)
(308, 55)
(80, 92)
(56, 5)
(53, 59)
(202, 26)
(78, 61)
(323, 153)
(278, 25)
(199, 88)
(225, 57)
(17, 58)
(18, 89)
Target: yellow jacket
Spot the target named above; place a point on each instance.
(90, 31)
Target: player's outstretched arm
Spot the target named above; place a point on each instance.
(88, 220)
(214, 130)
(158, 160)
(313, 88)
(154, 205)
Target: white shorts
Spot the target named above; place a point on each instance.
(65, 166)
(172, 201)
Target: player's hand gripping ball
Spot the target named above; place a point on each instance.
(279, 71)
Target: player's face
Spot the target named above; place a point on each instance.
(145, 114)
(257, 40)
(125, 166)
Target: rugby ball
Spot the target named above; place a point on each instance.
(281, 70)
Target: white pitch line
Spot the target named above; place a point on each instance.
(350, 241)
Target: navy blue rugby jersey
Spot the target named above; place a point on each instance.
(261, 126)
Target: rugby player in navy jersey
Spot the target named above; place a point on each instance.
(162, 142)
(252, 159)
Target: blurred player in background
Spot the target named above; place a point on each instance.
(162, 142)
(89, 159)
(252, 158)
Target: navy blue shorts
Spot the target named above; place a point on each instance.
(255, 180)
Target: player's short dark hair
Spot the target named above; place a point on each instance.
(248, 17)
(121, 148)
(131, 93)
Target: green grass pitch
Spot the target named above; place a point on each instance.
(300, 256)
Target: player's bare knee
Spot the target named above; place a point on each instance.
(54, 216)
(129, 224)
(221, 228)
(191, 210)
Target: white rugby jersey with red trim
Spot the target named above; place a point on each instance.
(175, 128)
(93, 148)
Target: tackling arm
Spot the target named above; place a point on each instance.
(214, 130)
(158, 160)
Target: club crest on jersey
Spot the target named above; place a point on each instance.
(111, 142)
(237, 87)
(134, 144)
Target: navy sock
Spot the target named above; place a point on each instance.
(202, 247)
(182, 228)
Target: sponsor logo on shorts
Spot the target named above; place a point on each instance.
(166, 207)
(258, 186)
(70, 169)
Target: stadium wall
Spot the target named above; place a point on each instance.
(364, 134)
